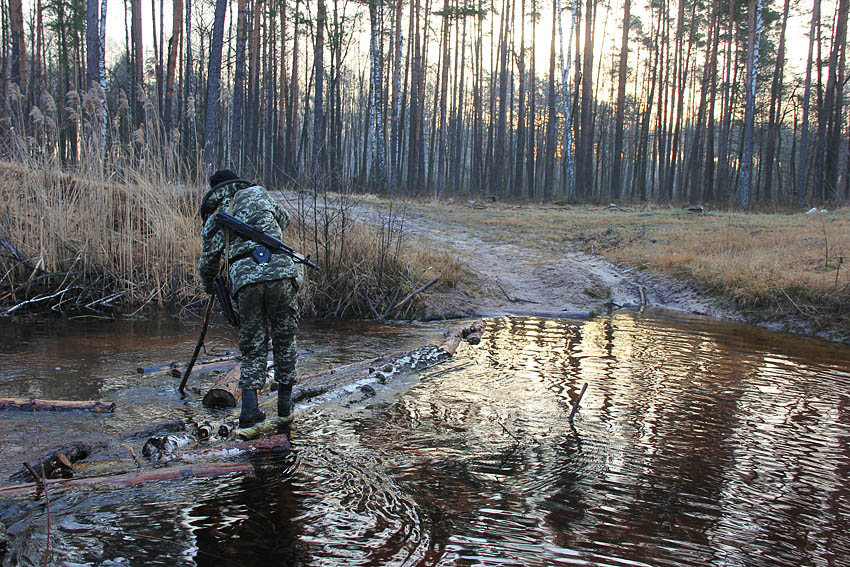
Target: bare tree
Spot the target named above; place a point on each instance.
(616, 176)
(214, 89)
(755, 23)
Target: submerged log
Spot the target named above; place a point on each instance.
(274, 444)
(132, 478)
(343, 381)
(206, 364)
(76, 451)
(30, 404)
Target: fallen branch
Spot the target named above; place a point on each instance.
(133, 478)
(206, 365)
(577, 402)
(413, 294)
(39, 299)
(51, 460)
(28, 404)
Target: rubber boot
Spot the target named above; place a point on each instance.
(284, 401)
(251, 414)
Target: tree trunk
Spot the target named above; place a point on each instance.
(171, 73)
(18, 65)
(497, 180)
(318, 98)
(396, 102)
(376, 57)
(138, 64)
(552, 122)
(92, 43)
(708, 179)
(519, 165)
(723, 146)
(807, 91)
(237, 107)
(565, 81)
(189, 90)
(832, 106)
(214, 90)
(773, 123)
(749, 113)
(584, 151)
(616, 180)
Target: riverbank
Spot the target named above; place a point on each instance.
(74, 245)
(780, 271)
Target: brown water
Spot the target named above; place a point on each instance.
(698, 442)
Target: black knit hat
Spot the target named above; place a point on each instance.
(221, 176)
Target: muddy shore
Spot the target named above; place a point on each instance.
(513, 278)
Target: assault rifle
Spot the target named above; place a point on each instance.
(260, 237)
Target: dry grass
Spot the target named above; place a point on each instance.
(360, 286)
(768, 264)
(74, 244)
(94, 243)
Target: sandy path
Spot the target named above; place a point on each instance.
(518, 281)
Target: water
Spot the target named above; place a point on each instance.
(698, 442)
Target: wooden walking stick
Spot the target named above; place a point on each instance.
(199, 345)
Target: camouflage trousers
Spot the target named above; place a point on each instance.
(267, 310)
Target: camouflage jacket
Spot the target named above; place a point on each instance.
(253, 205)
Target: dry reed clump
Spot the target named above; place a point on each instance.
(372, 271)
(76, 243)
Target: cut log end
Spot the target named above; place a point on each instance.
(225, 393)
(219, 399)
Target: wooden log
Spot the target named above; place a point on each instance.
(30, 404)
(77, 451)
(474, 332)
(365, 372)
(177, 371)
(452, 341)
(51, 462)
(172, 366)
(182, 472)
(226, 392)
(275, 443)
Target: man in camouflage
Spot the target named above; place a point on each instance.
(265, 287)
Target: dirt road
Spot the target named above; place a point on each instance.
(516, 279)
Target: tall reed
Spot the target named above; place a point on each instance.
(119, 229)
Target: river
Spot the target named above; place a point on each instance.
(698, 442)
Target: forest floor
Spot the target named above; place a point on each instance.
(568, 262)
